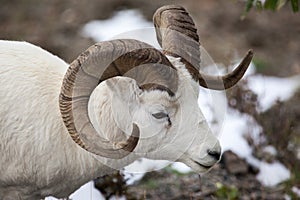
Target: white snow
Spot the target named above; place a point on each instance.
(296, 190)
(271, 89)
(232, 134)
(270, 149)
(271, 174)
(135, 171)
(232, 138)
(124, 21)
(87, 191)
(230, 125)
(181, 167)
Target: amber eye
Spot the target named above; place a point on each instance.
(160, 115)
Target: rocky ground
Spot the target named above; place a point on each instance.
(55, 25)
(231, 179)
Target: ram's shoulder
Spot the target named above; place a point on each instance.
(24, 54)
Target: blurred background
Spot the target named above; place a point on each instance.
(54, 25)
(273, 35)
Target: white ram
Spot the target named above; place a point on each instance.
(43, 101)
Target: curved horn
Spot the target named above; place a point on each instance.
(177, 35)
(100, 62)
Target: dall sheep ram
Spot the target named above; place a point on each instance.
(44, 101)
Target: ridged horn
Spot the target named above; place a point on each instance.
(177, 35)
(98, 63)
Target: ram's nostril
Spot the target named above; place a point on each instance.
(214, 154)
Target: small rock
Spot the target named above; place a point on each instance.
(234, 164)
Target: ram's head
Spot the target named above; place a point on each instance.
(156, 101)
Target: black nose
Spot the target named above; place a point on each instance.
(215, 154)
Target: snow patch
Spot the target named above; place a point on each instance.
(181, 168)
(272, 89)
(296, 190)
(87, 191)
(135, 171)
(271, 150)
(123, 21)
(270, 174)
(235, 126)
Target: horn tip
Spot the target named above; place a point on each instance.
(250, 52)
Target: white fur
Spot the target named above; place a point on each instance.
(38, 157)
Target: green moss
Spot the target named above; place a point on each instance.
(151, 184)
(261, 65)
(226, 192)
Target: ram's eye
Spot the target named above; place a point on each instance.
(160, 115)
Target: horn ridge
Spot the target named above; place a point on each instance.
(177, 35)
(98, 63)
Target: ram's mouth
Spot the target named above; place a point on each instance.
(197, 165)
(204, 166)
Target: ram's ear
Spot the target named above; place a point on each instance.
(125, 89)
(125, 100)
